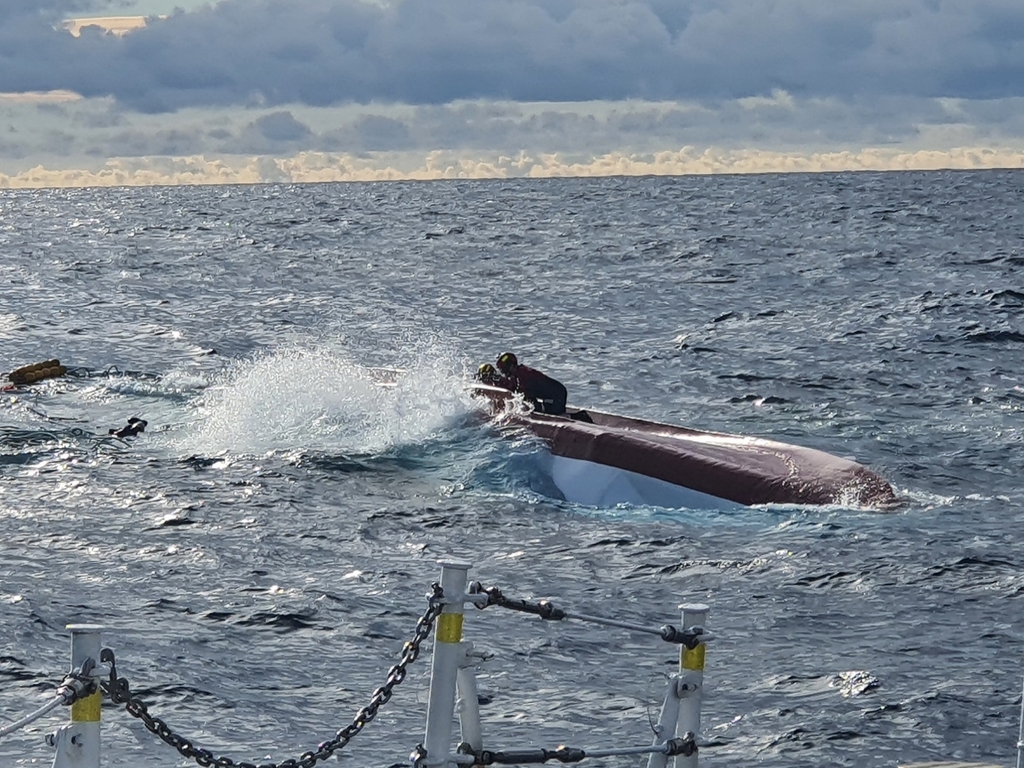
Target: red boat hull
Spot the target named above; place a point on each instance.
(742, 470)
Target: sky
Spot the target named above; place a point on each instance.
(113, 92)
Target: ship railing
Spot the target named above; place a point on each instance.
(452, 692)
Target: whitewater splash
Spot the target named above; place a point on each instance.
(319, 400)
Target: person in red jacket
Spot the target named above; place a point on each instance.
(546, 394)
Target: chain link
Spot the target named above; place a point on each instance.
(119, 691)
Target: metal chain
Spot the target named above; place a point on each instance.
(118, 690)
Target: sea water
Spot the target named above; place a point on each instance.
(260, 553)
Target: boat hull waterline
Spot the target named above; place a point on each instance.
(608, 459)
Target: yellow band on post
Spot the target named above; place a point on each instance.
(449, 628)
(87, 710)
(692, 658)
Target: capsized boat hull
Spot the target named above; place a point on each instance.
(600, 485)
(611, 459)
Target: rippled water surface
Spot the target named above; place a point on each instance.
(259, 555)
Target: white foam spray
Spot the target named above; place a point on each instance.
(317, 399)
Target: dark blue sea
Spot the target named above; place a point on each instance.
(260, 553)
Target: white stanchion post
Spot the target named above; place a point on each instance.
(468, 702)
(666, 727)
(1020, 734)
(691, 680)
(78, 743)
(444, 667)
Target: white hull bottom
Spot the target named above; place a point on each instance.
(598, 485)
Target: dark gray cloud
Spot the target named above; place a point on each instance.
(372, 133)
(275, 132)
(329, 52)
(44, 10)
(280, 126)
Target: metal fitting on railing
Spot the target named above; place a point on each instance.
(77, 744)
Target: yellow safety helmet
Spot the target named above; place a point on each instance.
(486, 372)
(507, 363)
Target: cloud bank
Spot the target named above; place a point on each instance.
(313, 167)
(424, 52)
(65, 141)
(332, 90)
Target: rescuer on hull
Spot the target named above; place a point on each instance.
(546, 394)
